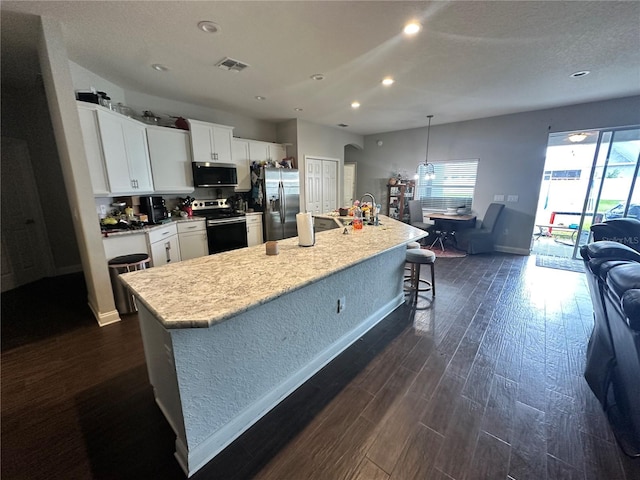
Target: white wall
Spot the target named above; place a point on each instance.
(511, 151)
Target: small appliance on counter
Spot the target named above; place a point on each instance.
(155, 209)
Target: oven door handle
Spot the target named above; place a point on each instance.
(225, 221)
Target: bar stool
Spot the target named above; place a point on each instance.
(125, 301)
(415, 258)
(407, 268)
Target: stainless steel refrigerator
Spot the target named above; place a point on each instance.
(281, 187)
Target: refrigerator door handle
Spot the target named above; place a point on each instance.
(283, 206)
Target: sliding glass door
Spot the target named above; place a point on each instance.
(614, 176)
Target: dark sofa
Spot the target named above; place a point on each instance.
(613, 354)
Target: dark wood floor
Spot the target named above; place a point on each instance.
(486, 383)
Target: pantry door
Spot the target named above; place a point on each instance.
(24, 238)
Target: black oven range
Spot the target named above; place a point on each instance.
(226, 228)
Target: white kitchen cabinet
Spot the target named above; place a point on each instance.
(126, 156)
(192, 236)
(93, 149)
(254, 230)
(276, 152)
(258, 151)
(164, 245)
(242, 160)
(211, 142)
(170, 155)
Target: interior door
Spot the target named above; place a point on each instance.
(329, 186)
(313, 185)
(25, 245)
(349, 178)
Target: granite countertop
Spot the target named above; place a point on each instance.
(106, 233)
(203, 291)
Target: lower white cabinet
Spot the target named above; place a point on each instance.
(254, 230)
(164, 245)
(118, 245)
(193, 239)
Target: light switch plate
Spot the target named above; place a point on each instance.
(498, 198)
(512, 198)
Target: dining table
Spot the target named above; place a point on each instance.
(446, 226)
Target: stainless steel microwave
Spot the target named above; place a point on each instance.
(214, 174)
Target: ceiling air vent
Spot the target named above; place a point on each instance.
(231, 65)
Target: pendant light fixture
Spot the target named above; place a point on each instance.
(430, 171)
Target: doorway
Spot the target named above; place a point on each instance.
(588, 177)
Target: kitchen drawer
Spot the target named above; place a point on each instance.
(159, 233)
(192, 226)
(253, 219)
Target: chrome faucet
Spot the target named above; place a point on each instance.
(372, 212)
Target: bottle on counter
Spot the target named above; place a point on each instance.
(357, 217)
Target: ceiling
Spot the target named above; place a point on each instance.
(472, 59)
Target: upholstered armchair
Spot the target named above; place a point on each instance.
(481, 240)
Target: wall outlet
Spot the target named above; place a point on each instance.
(342, 301)
(512, 198)
(103, 209)
(498, 197)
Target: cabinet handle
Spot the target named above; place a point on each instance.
(165, 233)
(167, 248)
(192, 227)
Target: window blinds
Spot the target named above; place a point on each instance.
(452, 186)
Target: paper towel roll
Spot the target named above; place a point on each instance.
(304, 222)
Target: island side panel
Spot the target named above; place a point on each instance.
(234, 372)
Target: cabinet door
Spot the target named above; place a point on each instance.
(135, 137)
(201, 142)
(259, 151)
(93, 150)
(277, 152)
(222, 138)
(193, 245)
(165, 251)
(254, 230)
(170, 157)
(241, 160)
(115, 152)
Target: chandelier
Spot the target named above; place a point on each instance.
(429, 169)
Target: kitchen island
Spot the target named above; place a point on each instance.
(229, 336)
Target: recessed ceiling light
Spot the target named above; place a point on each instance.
(317, 76)
(412, 28)
(159, 67)
(209, 27)
(388, 81)
(260, 97)
(579, 74)
(355, 104)
(298, 109)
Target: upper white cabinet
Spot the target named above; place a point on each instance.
(210, 142)
(242, 160)
(117, 152)
(277, 152)
(93, 149)
(124, 142)
(170, 155)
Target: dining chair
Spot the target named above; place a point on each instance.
(481, 240)
(416, 219)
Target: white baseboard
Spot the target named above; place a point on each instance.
(105, 318)
(192, 460)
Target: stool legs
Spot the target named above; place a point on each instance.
(414, 280)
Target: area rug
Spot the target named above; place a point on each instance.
(559, 263)
(449, 252)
